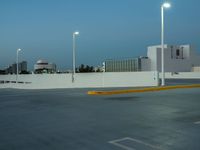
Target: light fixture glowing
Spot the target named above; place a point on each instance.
(166, 5)
(76, 33)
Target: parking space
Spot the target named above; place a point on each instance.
(70, 119)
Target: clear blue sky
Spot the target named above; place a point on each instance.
(108, 29)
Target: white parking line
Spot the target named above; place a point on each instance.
(197, 122)
(116, 143)
(119, 140)
(123, 146)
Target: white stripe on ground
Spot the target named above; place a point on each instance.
(197, 122)
(115, 142)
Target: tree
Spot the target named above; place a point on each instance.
(2, 72)
(24, 72)
(81, 68)
(87, 68)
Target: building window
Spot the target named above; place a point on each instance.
(171, 52)
(177, 53)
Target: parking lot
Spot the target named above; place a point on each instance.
(69, 119)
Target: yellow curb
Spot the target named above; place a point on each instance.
(152, 89)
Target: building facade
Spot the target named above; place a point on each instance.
(179, 58)
(12, 69)
(127, 65)
(43, 66)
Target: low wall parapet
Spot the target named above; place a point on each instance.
(82, 80)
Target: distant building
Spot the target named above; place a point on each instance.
(176, 58)
(23, 66)
(127, 65)
(12, 69)
(8, 70)
(43, 66)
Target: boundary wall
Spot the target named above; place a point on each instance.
(181, 75)
(82, 80)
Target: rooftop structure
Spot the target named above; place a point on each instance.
(177, 58)
(42, 66)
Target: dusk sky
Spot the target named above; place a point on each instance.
(109, 29)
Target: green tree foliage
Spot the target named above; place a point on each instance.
(24, 72)
(87, 68)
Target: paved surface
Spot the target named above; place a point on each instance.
(68, 119)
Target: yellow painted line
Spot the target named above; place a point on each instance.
(151, 89)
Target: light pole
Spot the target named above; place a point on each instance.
(164, 5)
(74, 54)
(17, 63)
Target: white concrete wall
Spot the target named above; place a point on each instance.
(82, 80)
(152, 54)
(181, 75)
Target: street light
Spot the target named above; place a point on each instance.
(74, 57)
(164, 5)
(17, 61)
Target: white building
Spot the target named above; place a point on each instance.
(43, 66)
(176, 58)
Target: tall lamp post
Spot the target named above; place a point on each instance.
(74, 54)
(164, 5)
(17, 61)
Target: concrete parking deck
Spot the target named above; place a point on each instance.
(69, 119)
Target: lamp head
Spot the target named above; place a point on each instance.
(18, 49)
(166, 5)
(76, 33)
